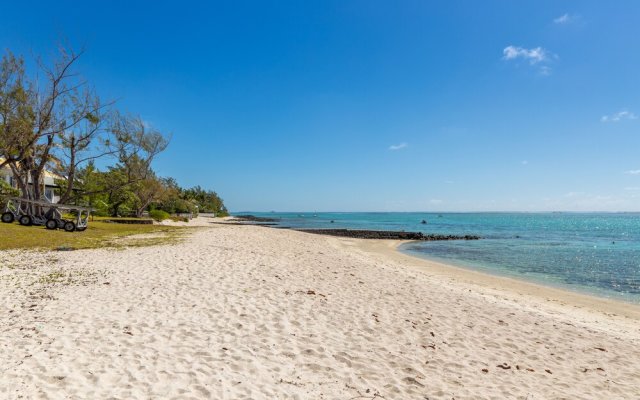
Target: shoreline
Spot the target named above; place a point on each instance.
(250, 312)
(524, 286)
(559, 291)
(564, 300)
(540, 293)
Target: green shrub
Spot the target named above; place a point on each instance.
(100, 212)
(159, 215)
(6, 191)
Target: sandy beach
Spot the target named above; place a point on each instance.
(247, 312)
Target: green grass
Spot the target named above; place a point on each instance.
(98, 234)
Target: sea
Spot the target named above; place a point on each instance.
(590, 253)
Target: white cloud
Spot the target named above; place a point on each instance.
(534, 55)
(619, 116)
(633, 172)
(398, 146)
(563, 19)
(567, 18)
(435, 201)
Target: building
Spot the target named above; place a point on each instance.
(50, 191)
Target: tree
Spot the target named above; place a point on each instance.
(59, 123)
(16, 114)
(133, 143)
(62, 124)
(34, 115)
(83, 144)
(147, 191)
(172, 200)
(208, 201)
(117, 189)
(89, 188)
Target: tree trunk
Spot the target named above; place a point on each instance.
(37, 175)
(71, 173)
(22, 187)
(140, 210)
(115, 207)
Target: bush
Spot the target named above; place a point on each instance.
(100, 212)
(159, 215)
(6, 191)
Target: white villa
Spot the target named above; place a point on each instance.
(48, 184)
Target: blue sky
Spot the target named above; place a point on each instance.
(371, 105)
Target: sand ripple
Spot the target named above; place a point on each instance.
(247, 312)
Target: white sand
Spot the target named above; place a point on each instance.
(251, 312)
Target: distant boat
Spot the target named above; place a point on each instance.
(424, 221)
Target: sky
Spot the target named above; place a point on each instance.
(370, 105)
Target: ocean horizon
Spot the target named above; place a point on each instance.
(595, 253)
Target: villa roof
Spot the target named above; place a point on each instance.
(47, 173)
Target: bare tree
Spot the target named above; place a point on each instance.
(62, 124)
(135, 145)
(16, 115)
(35, 115)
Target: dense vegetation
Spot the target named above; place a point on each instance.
(53, 121)
(110, 193)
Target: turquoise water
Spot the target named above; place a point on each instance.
(594, 253)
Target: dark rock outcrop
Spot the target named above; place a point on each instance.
(352, 233)
(399, 235)
(253, 218)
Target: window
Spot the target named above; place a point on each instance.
(48, 193)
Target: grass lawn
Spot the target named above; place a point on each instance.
(98, 234)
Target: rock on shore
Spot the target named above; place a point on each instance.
(400, 235)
